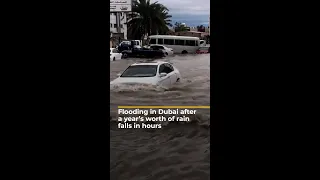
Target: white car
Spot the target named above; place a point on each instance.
(167, 51)
(155, 73)
(115, 54)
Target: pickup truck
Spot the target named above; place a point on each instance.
(127, 45)
(142, 52)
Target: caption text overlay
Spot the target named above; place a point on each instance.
(150, 117)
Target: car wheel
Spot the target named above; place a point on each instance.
(114, 58)
(124, 55)
(184, 52)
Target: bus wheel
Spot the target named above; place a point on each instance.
(184, 52)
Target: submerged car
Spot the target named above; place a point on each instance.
(166, 50)
(203, 50)
(115, 54)
(143, 52)
(155, 73)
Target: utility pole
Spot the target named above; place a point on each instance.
(118, 25)
(118, 22)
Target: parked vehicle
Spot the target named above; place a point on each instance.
(179, 44)
(203, 43)
(143, 52)
(167, 51)
(203, 50)
(115, 54)
(127, 45)
(154, 73)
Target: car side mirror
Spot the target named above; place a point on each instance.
(163, 74)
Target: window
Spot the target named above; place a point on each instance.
(156, 47)
(170, 67)
(161, 69)
(111, 25)
(168, 41)
(121, 25)
(171, 41)
(160, 41)
(179, 42)
(167, 68)
(115, 25)
(140, 71)
(153, 41)
(190, 43)
(164, 68)
(196, 43)
(115, 51)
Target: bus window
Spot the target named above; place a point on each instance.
(196, 43)
(160, 41)
(153, 41)
(179, 42)
(190, 42)
(171, 42)
(166, 41)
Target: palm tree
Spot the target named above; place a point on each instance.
(179, 27)
(148, 18)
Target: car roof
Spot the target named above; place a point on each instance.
(157, 45)
(149, 63)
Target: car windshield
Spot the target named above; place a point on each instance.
(140, 71)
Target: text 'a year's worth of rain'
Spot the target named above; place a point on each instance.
(152, 118)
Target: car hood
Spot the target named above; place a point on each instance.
(133, 80)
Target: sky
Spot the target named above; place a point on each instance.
(187, 11)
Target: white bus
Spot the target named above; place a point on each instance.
(179, 44)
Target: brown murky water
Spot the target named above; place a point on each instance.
(177, 150)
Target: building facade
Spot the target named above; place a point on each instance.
(121, 30)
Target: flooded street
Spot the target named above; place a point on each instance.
(177, 150)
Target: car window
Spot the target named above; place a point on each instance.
(170, 66)
(160, 47)
(154, 47)
(161, 68)
(165, 68)
(140, 71)
(115, 51)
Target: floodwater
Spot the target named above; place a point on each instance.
(178, 150)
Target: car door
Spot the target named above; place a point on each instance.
(164, 81)
(170, 70)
